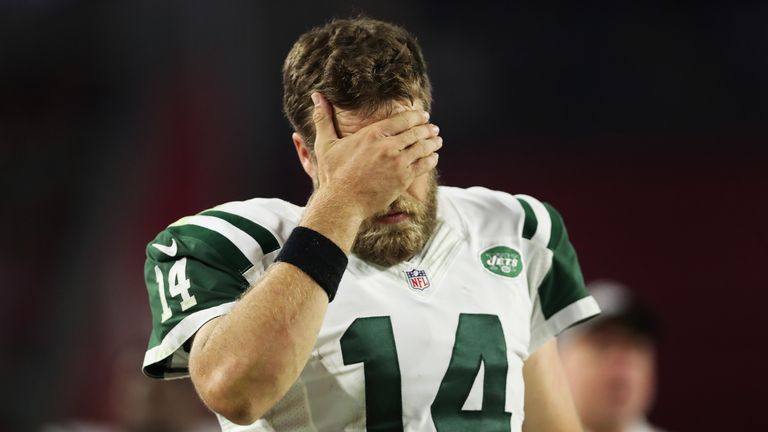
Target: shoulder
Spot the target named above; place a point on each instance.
(234, 236)
(478, 198)
(478, 208)
(262, 217)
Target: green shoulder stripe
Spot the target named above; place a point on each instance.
(531, 223)
(557, 228)
(564, 283)
(209, 246)
(266, 240)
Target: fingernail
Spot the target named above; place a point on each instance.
(436, 128)
(426, 115)
(315, 98)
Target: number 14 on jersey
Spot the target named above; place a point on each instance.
(479, 340)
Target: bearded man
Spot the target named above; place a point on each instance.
(387, 303)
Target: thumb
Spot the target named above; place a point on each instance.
(322, 116)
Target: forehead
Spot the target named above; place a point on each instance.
(350, 121)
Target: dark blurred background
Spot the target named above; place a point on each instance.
(644, 123)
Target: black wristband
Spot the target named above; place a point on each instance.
(317, 256)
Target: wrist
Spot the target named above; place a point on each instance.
(334, 216)
(317, 256)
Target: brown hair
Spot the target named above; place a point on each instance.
(358, 64)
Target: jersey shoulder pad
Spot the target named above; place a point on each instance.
(492, 210)
(543, 224)
(237, 237)
(484, 212)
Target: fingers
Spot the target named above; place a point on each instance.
(401, 122)
(422, 148)
(425, 164)
(413, 135)
(422, 156)
(322, 116)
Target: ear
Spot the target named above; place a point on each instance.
(306, 157)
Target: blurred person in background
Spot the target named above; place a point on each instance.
(611, 362)
(451, 298)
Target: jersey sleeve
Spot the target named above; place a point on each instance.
(558, 293)
(195, 271)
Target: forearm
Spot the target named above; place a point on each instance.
(245, 361)
(250, 357)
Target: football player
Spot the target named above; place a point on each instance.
(387, 302)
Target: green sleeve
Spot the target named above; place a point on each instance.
(558, 293)
(195, 270)
(564, 284)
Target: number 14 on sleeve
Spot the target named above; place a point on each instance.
(178, 284)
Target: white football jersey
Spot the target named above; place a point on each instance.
(435, 343)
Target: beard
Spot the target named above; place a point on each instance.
(389, 244)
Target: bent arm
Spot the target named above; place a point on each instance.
(242, 363)
(548, 403)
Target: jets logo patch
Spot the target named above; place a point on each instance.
(417, 279)
(502, 260)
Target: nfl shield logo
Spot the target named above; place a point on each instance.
(417, 279)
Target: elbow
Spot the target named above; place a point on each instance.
(237, 412)
(233, 396)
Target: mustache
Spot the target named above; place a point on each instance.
(401, 205)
